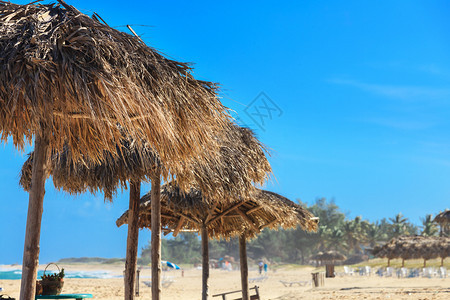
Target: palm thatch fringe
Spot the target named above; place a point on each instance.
(262, 209)
(443, 218)
(328, 256)
(78, 78)
(414, 247)
(240, 162)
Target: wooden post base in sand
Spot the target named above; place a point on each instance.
(33, 229)
(132, 240)
(205, 263)
(244, 267)
(156, 235)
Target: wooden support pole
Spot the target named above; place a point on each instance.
(132, 240)
(205, 262)
(244, 267)
(156, 235)
(33, 228)
(179, 225)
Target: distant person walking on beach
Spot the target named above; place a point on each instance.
(265, 268)
(260, 264)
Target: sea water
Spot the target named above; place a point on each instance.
(15, 274)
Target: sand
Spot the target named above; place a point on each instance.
(189, 286)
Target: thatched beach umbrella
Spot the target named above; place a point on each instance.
(317, 258)
(263, 209)
(389, 251)
(329, 257)
(444, 249)
(68, 79)
(135, 163)
(414, 247)
(443, 219)
(332, 256)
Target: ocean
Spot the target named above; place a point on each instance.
(12, 274)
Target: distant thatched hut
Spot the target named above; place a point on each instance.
(245, 219)
(69, 79)
(443, 219)
(329, 258)
(414, 247)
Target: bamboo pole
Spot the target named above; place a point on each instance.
(244, 267)
(35, 209)
(132, 240)
(205, 262)
(156, 235)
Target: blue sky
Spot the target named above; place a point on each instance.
(361, 99)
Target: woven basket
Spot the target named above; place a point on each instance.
(51, 287)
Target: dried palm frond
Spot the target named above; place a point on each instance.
(414, 247)
(188, 211)
(240, 161)
(329, 256)
(443, 218)
(64, 73)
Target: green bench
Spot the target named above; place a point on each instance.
(65, 296)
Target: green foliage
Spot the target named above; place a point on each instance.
(336, 232)
(54, 277)
(184, 248)
(429, 228)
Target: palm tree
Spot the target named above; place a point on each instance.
(429, 228)
(373, 234)
(354, 234)
(399, 225)
(333, 239)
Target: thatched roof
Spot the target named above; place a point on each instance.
(443, 218)
(188, 212)
(75, 77)
(240, 162)
(328, 256)
(411, 247)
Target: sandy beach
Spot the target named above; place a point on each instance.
(189, 286)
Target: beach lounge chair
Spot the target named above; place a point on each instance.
(402, 272)
(429, 272)
(291, 283)
(366, 271)
(348, 270)
(165, 283)
(380, 272)
(258, 279)
(442, 272)
(413, 273)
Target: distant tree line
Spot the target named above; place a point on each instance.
(351, 237)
